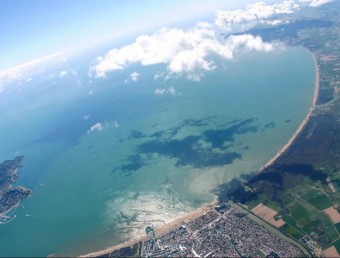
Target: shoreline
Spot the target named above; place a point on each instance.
(303, 123)
(159, 230)
(198, 212)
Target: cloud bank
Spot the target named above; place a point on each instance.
(315, 3)
(261, 13)
(256, 13)
(182, 51)
(27, 70)
(190, 52)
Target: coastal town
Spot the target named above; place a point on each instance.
(10, 196)
(224, 230)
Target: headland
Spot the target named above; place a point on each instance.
(10, 196)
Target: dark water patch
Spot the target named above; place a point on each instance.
(196, 122)
(135, 134)
(268, 126)
(171, 132)
(188, 122)
(219, 137)
(134, 162)
(288, 121)
(157, 134)
(188, 151)
(209, 149)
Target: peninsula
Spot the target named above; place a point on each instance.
(10, 196)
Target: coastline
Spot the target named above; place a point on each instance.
(198, 212)
(159, 230)
(303, 123)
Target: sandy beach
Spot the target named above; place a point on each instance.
(160, 230)
(304, 122)
(198, 212)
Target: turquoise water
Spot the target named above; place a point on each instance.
(157, 157)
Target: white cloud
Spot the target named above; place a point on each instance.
(160, 91)
(249, 42)
(29, 79)
(86, 117)
(63, 73)
(183, 51)
(134, 76)
(171, 90)
(157, 76)
(91, 92)
(96, 128)
(99, 127)
(254, 13)
(274, 22)
(315, 3)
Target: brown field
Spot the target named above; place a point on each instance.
(333, 214)
(267, 214)
(331, 252)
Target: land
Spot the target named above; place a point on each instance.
(10, 196)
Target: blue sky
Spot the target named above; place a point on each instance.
(34, 28)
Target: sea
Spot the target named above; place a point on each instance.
(107, 157)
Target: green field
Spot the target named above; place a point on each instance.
(338, 227)
(291, 231)
(300, 214)
(337, 245)
(318, 199)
